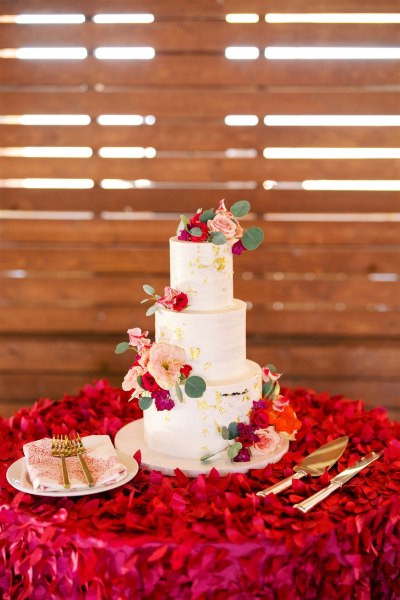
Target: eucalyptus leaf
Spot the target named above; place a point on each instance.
(267, 388)
(196, 232)
(225, 433)
(195, 386)
(272, 368)
(178, 392)
(121, 348)
(233, 430)
(207, 215)
(184, 221)
(151, 310)
(240, 208)
(218, 238)
(277, 389)
(139, 379)
(234, 449)
(252, 238)
(149, 289)
(145, 402)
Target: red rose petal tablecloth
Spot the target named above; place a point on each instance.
(211, 537)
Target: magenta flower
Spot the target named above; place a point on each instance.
(238, 248)
(243, 455)
(163, 400)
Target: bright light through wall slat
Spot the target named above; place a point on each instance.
(326, 153)
(126, 120)
(241, 120)
(48, 151)
(48, 183)
(123, 18)
(45, 120)
(124, 53)
(49, 53)
(242, 52)
(242, 18)
(332, 18)
(330, 53)
(126, 152)
(332, 120)
(43, 19)
(352, 184)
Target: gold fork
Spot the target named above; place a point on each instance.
(59, 449)
(76, 448)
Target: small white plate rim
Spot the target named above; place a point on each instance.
(14, 472)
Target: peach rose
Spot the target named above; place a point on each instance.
(130, 380)
(144, 357)
(137, 338)
(165, 363)
(221, 222)
(268, 441)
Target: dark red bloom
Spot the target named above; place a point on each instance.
(243, 455)
(204, 232)
(238, 248)
(149, 383)
(246, 434)
(259, 418)
(185, 370)
(184, 235)
(180, 302)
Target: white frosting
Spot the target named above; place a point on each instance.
(204, 271)
(192, 429)
(214, 342)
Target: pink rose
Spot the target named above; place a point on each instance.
(130, 380)
(137, 338)
(144, 357)
(173, 299)
(165, 363)
(279, 403)
(268, 441)
(269, 377)
(223, 223)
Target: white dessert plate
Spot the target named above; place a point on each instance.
(130, 438)
(18, 477)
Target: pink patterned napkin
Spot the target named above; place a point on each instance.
(45, 470)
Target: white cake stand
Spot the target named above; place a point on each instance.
(130, 438)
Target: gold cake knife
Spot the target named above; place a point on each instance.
(314, 464)
(337, 482)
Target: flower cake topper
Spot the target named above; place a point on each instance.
(221, 227)
(269, 420)
(158, 369)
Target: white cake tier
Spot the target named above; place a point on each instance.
(192, 429)
(214, 342)
(204, 271)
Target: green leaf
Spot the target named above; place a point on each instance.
(145, 402)
(195, 387)
(233, 430)
(178, 392)
(225, 433)
(149, 289)
(277, 389)
(151, 310)
(185, 221)
(272, 368)
(267, 388)
(196, 232)
(233, 450)
(240, 208)
(218, 238)
(207, 215)
(121, 348)
(140, 381)
(252, 238)
(145, 300)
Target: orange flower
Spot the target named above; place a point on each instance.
(284, 421)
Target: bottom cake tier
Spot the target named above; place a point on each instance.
(192, 428)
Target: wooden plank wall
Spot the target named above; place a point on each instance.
(323, 291)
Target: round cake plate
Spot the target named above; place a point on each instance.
(130, 438)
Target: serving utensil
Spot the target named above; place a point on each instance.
(337, 482)
(76, 448)
(59, 449)
(314, 464)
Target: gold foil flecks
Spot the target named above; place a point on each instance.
(202, 404)
(219, 263)
(205, 432)
(194, 352)
(178, 333)
(167, 418)
(207, 365)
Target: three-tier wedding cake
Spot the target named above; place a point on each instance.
(199, 393)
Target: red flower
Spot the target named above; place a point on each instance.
(180, 302)
(185, 370)
(204, 232)
(173, 299)
(259, 418)
(247, 435)
(149, 383)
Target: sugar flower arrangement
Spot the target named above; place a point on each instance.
(221, 226)
(158, 370)
(269, 420)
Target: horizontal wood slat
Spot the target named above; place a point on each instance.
(259, 320)
(200, 71)
(190, 36)
(201, 169)
(180, 8)
(195, 137)
(118, 291)
(186, 103)
(271, 201)
(155, 231)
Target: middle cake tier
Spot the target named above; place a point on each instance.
(214, 341)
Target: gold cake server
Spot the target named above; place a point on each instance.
(337, 482)
(314, 464)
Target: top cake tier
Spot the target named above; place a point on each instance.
(204, 271)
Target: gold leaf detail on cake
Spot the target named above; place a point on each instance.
(217, 426)
(207, 365)
(167, 418)
(194, 352)
(178, 333)
(205, 432)
(219, 263)
(203, 404)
